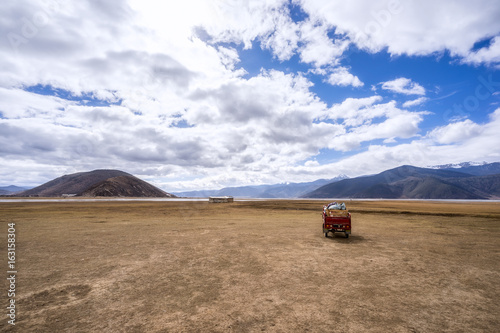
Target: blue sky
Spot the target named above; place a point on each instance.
(203, 95)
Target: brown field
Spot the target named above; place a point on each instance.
(257, 266)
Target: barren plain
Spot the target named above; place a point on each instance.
(253, 266)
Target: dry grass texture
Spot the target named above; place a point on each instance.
(254, 266)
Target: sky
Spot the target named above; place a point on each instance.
(202, 94)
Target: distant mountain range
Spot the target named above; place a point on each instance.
(11, 189)
(408, 182)
(287, 190)
(97, 183)
(450, 181)
(467, 180)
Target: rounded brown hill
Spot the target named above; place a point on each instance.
(97, 183)
(124, 186)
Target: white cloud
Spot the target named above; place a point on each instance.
(403, 85)
(17, 103)
(403, 27)
(411, 27)
(355, 111)
(246, 126)
(228, 56)
(487, 55)
(341, 77)
(271, 25)
(283, 41)
(311, 163)
(415, 102)
(367, 121)
(455, 132)
(318, 48)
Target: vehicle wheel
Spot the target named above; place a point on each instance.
(326, 234)
(346, 235)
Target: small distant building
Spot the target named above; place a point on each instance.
(220, 199)
(69, 195)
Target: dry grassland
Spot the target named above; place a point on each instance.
(258, 266)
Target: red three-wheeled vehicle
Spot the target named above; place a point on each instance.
(336, 218)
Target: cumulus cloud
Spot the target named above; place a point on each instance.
(284, 38)
(272, 26)
(341, 77)
(367, 120)
(318, 48)
(245, 124)
(403, 27)
(18, 103)
(411, 27)
(485, 55)
(403, 85)
(455, 132)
